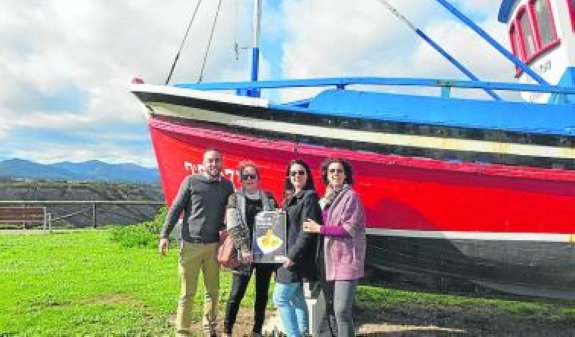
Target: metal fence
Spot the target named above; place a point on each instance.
(91, 213)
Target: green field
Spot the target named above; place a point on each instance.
(83, 283)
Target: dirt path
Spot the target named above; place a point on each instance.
(243, 327)
(411, 322)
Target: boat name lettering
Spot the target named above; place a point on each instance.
(541, 69)
(544, 67)
(199, 169)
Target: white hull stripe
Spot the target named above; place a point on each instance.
(481, 236)
(364, 136)
(199, 94)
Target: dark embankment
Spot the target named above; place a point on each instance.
(81, 215)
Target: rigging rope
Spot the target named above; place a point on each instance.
(435, 46)
(236, 38)
(183, 41)
(209, 42)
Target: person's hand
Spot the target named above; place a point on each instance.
(328, 190)
(163, 246)
(311, 226)
(247, 257)
(287, 263)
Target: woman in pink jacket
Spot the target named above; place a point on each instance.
(343, 246)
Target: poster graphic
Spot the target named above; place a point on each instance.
(269, 237)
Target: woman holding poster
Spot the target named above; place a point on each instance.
(343, 245)
(301, 203)
(242, 208)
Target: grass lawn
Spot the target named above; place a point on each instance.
(82, 283)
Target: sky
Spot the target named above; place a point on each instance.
(65, 66)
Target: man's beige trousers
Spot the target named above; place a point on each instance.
(193, 257)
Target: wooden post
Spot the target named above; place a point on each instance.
(94, 219)
(24, 222)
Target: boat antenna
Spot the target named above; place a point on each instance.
(438, 48)
(492, 42)
(209, 42)
(183, 42)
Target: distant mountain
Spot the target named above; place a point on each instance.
(92, 170)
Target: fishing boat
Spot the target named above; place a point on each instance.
(475, 189)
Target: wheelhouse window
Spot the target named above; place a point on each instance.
(529, 46)
(544, 22)
(533, 32)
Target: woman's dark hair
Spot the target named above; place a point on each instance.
(346, 169)
(288, 186)
(247, 163)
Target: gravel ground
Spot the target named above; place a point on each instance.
(449, 322)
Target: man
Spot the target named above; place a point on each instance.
(202, 198)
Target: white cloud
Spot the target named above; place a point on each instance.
(95, 47)
(342, 38)
(83, 54)
(488, 7)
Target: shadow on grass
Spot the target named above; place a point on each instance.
(413, 319)
(413, 333)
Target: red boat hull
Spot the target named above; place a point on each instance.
(398, 193)
(508, 228)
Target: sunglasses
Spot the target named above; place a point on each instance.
(299, 172)
(249, 177)
(338, 170)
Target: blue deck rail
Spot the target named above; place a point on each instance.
(342, 83)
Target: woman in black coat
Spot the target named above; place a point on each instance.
(300, 265)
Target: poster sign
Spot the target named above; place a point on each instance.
(269, 237)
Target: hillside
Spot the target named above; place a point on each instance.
(84, 191)
(92, 170)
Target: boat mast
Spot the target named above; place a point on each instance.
(255, 92)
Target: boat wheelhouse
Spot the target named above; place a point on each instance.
(541, 34)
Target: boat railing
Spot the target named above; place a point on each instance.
(342, 83)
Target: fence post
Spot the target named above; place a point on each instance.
(24, 205)
(94, 220)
